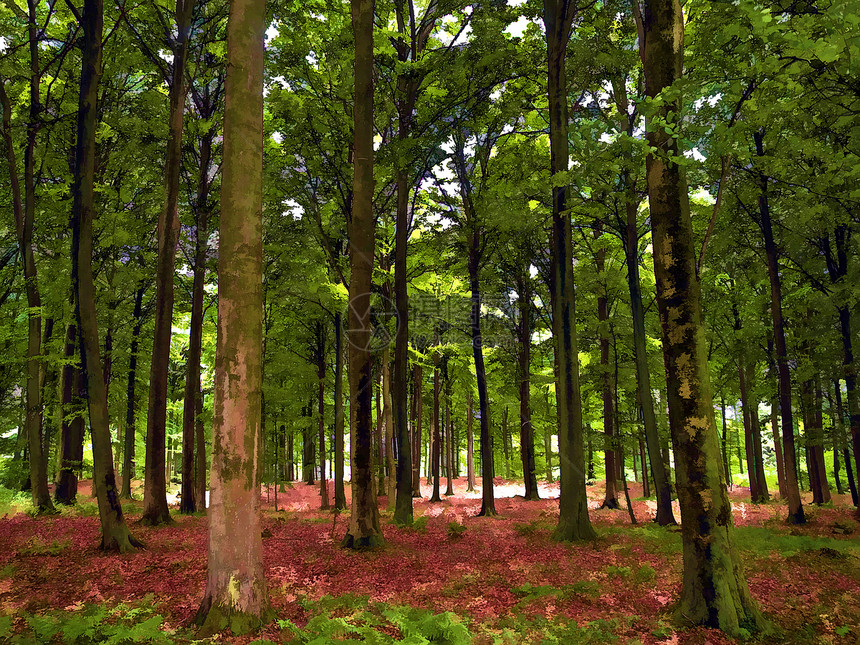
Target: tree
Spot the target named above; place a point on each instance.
(714, 590)
(115, 533)
(364, 530)
(573, 522)
(236, 596)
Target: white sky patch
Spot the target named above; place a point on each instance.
(3, 45)
(702, 196)
(277, 137)
(293, 209)
(694, 154)
(271, 33)
(165, 55)
(606, 138)
(517, 28)
(312, 58)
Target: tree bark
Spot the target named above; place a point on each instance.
(72, 428)
(470, 444)
(321, 363)
(610, 499)
(449, 433)
(115, 533)
(437, 435)
(524, 333)
(155, 509)
(236, 596)
(364, 529)
(573, 521)
(418, 407)
(714, 592)
(131, 398)
(795, 508)
(339, 492)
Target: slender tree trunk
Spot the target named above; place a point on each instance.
(610, 499)
(659, 470)
(449, 431)
(527, 442)
(714, 591)
(795, 508)
(236, 596)
(764, 494)
(364, 529)
(437, 435)
(573, 521)
(418, 406)
(646, 487)
(470, 444)
(189, 497)
(131, 396)
(72, 428)
(321, 364)
(725, 449)
(200, 487)
(505, 450)
(752, 472)
(115, 534)
(488, 503)
(339, 492)
(308, 450)
(388, 437)
(846, 454)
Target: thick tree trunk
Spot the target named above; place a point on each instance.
(714, 591)
(155, 509)
(115, 534)
(364, 529)
(795, 508)
(573, 521)
(236, 596)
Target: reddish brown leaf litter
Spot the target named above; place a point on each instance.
(499, 571)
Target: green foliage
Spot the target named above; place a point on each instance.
(455, 530)
(351, 619)
(90, 625)
(763, 541)
(644, 573)
(618, 571)
(37, 546)
(12, 502)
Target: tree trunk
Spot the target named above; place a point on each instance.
(752, 472)
(610, 499)
(115, 534)
(339, 492)
(437, 435)
(308, 450)
(488, 503)
(200, 456)
(573, 521)
(527, 441)
(795, 508)
(72, 428)
(449, 432)
(190, 497)
(418, 407)
(364, 529)
(846, 455)
(388, 437)
(25, 216)
(131, 398)
(646, 486)
(505, 449)
(714, 591)
(321, 364)
(725, 449)
(155, 509)
(470, 444)
(236, 596)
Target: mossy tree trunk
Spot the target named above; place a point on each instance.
(573, 521)
(714, 590)
(236, 596)
(115, 533)
(364, 529)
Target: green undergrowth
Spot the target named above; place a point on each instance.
(660, 540)
(354, 619)
(762, 541)
(88, 625)
(13, 502)
(539, 630)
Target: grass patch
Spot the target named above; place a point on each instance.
(37, 546)
(762, 541)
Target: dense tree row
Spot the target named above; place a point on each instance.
(484, 216)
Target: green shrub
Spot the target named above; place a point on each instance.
(645, 573)
(37, 546)
(620, 572)
(455, 530)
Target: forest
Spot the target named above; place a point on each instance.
(429, 321)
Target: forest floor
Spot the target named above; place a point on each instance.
(504, 579)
